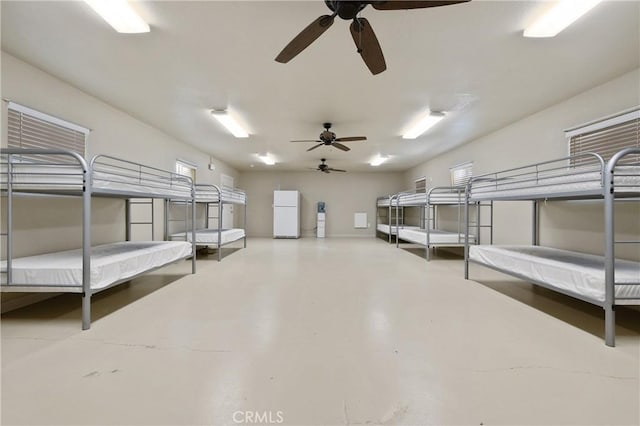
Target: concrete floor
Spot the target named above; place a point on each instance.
(336, 331)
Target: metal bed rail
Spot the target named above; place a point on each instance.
(209, 193)
(118, 176)
(533, 181)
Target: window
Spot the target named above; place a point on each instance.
(185, 168)
(461, 173)
(421, 185)
(28, 128)
(606, 137)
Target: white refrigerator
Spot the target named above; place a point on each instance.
(286, 214)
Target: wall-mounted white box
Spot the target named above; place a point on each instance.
(360, 220)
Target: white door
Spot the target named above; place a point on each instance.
(226, 182)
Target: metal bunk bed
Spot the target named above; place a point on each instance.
(430, 233)
(212, 195)
(385, 224)
(88, 270)
(601, 280)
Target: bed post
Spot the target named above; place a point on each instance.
(193, 229)
(220, 209)
(535, 223)
(127, 219)
(9, 253)
(244, 220)
(609, 255)
(389, 217)
(427, 212)
(86, 245)
(166, 220)
(466, 231)
(397, 222)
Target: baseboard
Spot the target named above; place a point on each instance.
(22, 301)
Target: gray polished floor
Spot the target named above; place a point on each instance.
(335, 331)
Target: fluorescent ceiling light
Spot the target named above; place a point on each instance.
(425, 123)
(230, 123)
(377, 160)
(120, 15)
(267, 159)
(559, 17)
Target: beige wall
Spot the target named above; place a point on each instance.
(343, 193)
(540, 137)
(49, 224)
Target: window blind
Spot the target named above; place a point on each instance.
(31, 129)
(421, 185)
(606, 137)
(461, 173)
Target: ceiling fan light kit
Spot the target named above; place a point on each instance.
(425, 123)
(365, 39)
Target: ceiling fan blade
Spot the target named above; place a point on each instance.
(336, 170)
(315, 146)
(307, 140)
(368, 46)
(399, 5)
(352, 139)
(340, 146)
(305, 38)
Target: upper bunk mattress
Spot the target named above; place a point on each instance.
(68, 178)
(566, 182)
(576, 272)
(210, 236)
(436, 236)
(109, 263)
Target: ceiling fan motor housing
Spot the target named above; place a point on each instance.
(346, 9)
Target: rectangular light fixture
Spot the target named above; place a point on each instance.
(425, 123)
(230, 123)
(120, 15)
(377, 160)
(267, 159)
(559, 17)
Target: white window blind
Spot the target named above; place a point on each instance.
(421, 185)
(461, 173)
(31, 129)
(186, 169)
(606, 137)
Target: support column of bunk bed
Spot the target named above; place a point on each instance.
(579, 177)
(65, 173)
(385, 202)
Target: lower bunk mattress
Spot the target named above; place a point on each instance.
(110, 263)
(567, 270)
(210, 236)
(436, 237)
(386, 229)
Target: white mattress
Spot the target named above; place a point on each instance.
(109, 263)
(31, 177)
(579, 179)
(210, 236)
(436, 237)
(576, 272)
(384, 228)
(209, 194)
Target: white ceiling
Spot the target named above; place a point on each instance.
(469, 59)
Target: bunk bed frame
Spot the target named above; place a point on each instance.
(386, 202)
(604, 280)
(54, 172)
(428, 234)
(213, 195)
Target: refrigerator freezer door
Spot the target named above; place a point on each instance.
(285, 198)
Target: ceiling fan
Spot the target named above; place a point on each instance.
(324, 167)
(363, 36)
(327, 137)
